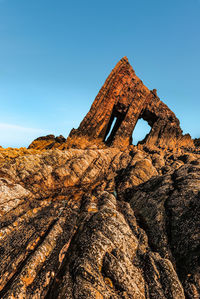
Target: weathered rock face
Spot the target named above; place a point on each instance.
(100, 224)
(47, 142)
(197, 142)
(168, 207)
(110, 221)
(123, 100)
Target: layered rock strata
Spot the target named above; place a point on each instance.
(100, 224)
(123, 100)
(120, 103)
(96, 217)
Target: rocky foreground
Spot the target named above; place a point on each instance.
(95, 217)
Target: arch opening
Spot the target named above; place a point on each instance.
(113, 125)
(140, 132)
(110, 129)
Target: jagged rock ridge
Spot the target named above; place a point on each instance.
(114, 221)
(123, 100)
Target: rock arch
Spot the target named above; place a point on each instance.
(140, 132)
(125, 99)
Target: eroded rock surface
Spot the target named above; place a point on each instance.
(100, 224)
(125, 99)
(122, 100)
(96, 217)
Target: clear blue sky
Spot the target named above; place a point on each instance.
(56, 54)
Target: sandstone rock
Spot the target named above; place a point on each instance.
(158, 161)
(187, 158)
(63, 235)
(96, 217)
(111, 263)
(167, 207)
(135, 175)
(47, 142)
(12, 153)
(197, 142)
(123, 100)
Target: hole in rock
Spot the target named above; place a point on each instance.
(110, 129)
(140, 131)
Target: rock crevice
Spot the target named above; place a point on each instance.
(96, 217)
(123, 100)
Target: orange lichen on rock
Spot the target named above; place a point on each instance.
(7, 154)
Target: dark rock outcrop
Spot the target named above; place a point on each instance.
(168, 208)
(197, 142)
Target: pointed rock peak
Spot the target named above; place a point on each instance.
(124, 59)
(123, 100)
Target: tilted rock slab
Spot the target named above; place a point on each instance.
(69, 228)
(125, 99)
(121, 102)
(103, 219)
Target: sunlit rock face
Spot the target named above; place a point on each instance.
(120, 103)
(124, 99)
(96, 217)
